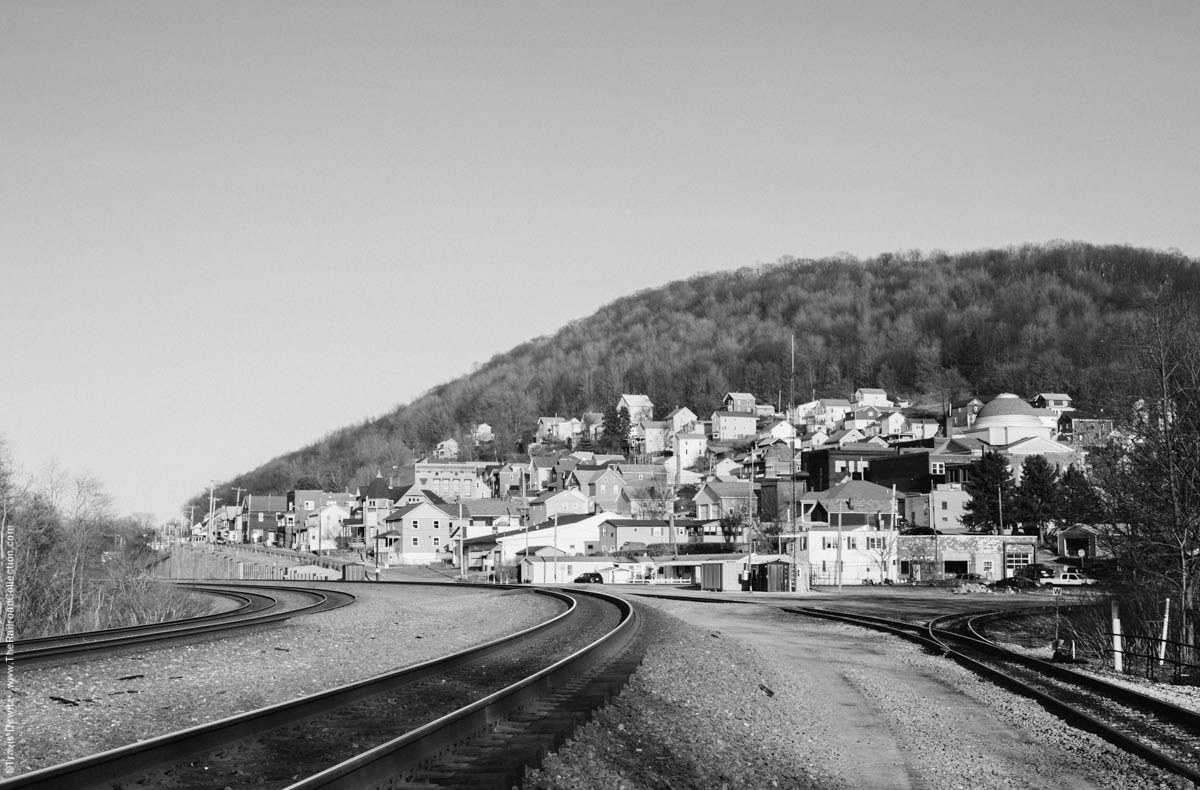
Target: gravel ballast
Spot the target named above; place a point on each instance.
(75, 709)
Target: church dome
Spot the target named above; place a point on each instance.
(1007, 410)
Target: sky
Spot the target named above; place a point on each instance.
(229, 228)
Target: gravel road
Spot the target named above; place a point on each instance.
(742, 696)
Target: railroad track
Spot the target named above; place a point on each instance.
(256, 606)
(472, 719)
(1163, 734)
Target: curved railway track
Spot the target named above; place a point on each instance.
(1161, 733)
(474, 719)
(257, 605)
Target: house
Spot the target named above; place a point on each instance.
(1057, 402)
(892, 423)
(941, 508)
(726, 468)
(681, 420)
(541, 472)
(841, 438)
(831, 412)
(641, 474)
(717, 499)
(654, 436)
(739, 402)
(568, 534)
(730, 425)
(259, 520)
(591, 426)
(852, 554)
(447, 450)
(600, 484)
(689, 448)
(639, 407)
(634, 534)
(513, 479)
(647, 500)
(547, 429)
(557, 503)
(1084, 432)
(870, 396)
(323, 530)
(482, 433)
(423, 534)
(778, 430)
(962, 415)
(375, 503)
(303, 502)
(864, 420)
(852, 503)
(920, 428)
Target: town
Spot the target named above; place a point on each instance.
(861, 490)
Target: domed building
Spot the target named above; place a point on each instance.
(1007, 419)
(1013, 428)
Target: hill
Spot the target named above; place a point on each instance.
(931, 327)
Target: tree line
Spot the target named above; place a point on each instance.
(70, 564)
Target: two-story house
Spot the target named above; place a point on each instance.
(417, 534)
(740, 402)
(730, 425)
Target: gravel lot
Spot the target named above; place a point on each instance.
(736, 696)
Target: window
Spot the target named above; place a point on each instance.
(829, 543)
(437, 542)
(603, 488)
(945, 505)
(875, 544)
(416, 541)
(804, 543)
(260, 518)
(309, 504)
(852, 543)
(937, 468)
(415, 524)
(437, 524)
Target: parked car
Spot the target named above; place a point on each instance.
(1069, 579)
(1017, 583)
(970, 578)
(589, 578)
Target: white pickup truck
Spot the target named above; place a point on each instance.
(1068, 579)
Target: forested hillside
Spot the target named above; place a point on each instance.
(931, 327)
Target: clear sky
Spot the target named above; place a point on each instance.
(229, 228)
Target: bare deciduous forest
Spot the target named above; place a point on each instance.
(930, 327)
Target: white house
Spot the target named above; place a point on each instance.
(689, 448)
(871, 396)
(640, 408)
(729, 425)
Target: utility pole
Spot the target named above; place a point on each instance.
(238, 501)
(212, 505)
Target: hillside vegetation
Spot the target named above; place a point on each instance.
(927, 326)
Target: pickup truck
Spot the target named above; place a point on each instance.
(1068, 579)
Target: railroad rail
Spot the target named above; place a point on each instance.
(256, 606)
(1163, 734)
(478, 716)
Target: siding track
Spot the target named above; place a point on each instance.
(257, 605)
(1161, 733)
